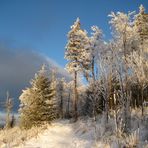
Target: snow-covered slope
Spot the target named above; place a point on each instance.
(64, 135)
(85, 133)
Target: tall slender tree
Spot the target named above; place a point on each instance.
(8, 106)
(76, 54)
(123, 35)
(96, 47)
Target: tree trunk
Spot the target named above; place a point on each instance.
(138, 97)
(93, 69)
(93, 88)
(61, 106)
(75, 97)
(111, 98)
(8, 119)
(94, 108)
(106, 103)
(68, 106)
(8, 106)
(142, 100)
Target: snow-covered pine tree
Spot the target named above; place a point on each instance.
(141, 26)
(76, 53)
(37, 102)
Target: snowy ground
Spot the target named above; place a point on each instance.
(63, 135)
(85, 133)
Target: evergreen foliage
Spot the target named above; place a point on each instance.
(37, 102)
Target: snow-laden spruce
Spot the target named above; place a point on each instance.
(38, 101)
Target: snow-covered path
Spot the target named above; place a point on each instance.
(52, 138)
(61, 135)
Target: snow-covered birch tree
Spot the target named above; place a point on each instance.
(139, 66)
(96, 47)
(124, 36)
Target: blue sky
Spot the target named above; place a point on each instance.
(42, 25)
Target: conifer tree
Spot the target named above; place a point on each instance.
(37, 102)
(141, 26)
(76, 54)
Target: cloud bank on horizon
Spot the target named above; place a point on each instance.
(17, 68)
